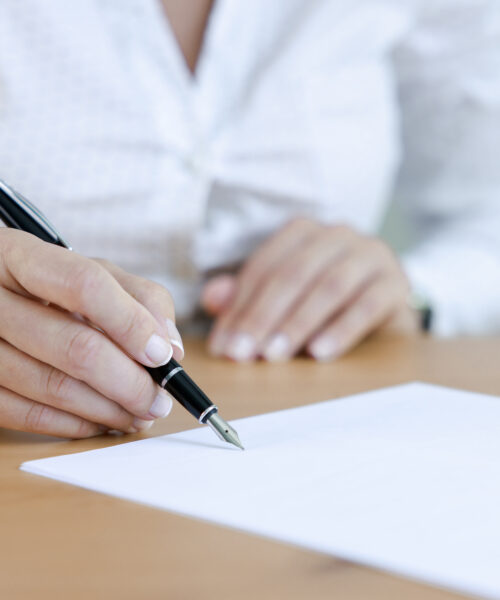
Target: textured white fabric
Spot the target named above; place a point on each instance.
(318, 107)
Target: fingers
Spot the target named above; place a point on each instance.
(258, 268)
(81, 285)
(47, 385)
(373, 306)
(286, 289)
(218, 293)
(72, 335)
(155, 298)
(22, 414)
(263, 261)
(329, 275)
(55, 338)
(336, 288)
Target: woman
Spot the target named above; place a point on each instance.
(244, 154)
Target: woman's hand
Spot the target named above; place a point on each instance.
(309, 286)
(72, 334)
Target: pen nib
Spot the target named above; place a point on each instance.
(224, 430)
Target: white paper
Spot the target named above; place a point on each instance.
(406, 479)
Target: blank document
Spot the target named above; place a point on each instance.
(406, 479)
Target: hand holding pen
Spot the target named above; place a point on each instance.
(67, 376)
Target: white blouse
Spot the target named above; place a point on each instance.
(325, 108)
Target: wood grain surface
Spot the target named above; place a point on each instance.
(59, 541)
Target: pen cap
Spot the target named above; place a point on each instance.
(19, 213)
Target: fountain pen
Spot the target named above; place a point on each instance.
(19, 213)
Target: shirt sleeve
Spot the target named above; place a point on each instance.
(448, 70)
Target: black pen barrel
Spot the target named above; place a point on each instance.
(18, 213)
(177, 382)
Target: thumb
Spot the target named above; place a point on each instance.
(218, 293)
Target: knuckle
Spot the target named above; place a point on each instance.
(139, 321)
(300, 324)
(122, 421)
(105, 263)
(368, 306)
(155, 291)
(332, 285)
(37, 418)
(82, 349)
(377, 247)
(83, 282)
(256, 321)
(141, 397)
(341, 237)
(290, 272)
(301, 222)
(84, 429)
(341, 230)
(153, 288)
(57, 384)
(329, 235)
(378, 243)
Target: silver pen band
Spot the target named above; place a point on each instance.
(170, 375)
(206, 412)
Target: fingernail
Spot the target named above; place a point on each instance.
(158, 350)
(218, 343)
(175, 339)
(161, 407)
(324, 348)
(278, 348)
(241, 347)
(140, 425)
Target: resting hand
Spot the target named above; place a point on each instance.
(309, 286)
(72, 334)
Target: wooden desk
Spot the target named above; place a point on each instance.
(59, 541)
